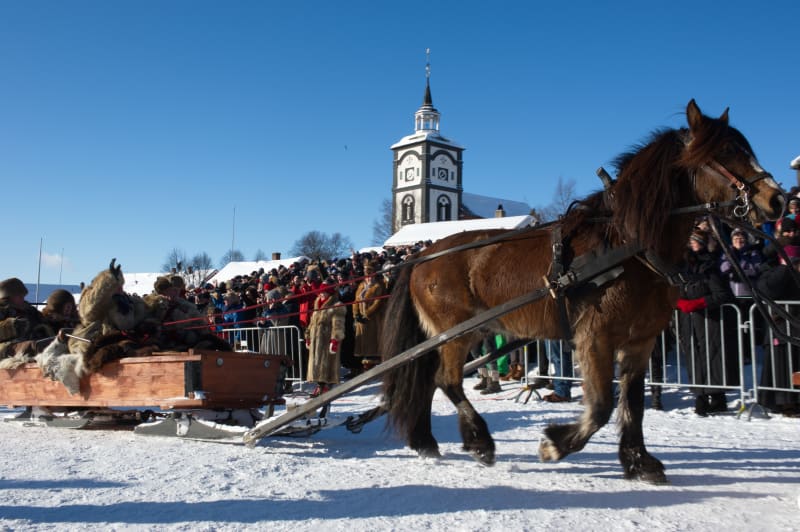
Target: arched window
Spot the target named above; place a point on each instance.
(443, 209)
(408, 210)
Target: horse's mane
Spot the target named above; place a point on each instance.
(643, 196)
(648, 187)
(653, 178)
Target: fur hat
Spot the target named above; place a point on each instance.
(162, 284)
(177, 282)
(12, 287)
(57, 300)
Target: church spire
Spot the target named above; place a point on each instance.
(427, 117)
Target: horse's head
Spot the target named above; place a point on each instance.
(725, 168)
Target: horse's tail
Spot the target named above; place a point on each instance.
(407, 389)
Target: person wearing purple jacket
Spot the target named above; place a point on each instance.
(749, 259)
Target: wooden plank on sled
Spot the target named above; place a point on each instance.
(170, 380)
(273, 425)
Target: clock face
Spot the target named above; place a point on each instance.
(410, 174)
(443, 174)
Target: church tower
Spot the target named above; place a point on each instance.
(426, 186)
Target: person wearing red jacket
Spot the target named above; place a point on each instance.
(702, 295)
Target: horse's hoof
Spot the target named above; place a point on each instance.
(658, 478)
(429, 453)
(484, 457)
(548, 451)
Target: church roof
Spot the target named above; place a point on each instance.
(413, 233)
(485, 206)
(420, 136)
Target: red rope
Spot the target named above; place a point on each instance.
(303, 295)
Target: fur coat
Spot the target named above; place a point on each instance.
(326, 323)
(368, 313)
(20, 327)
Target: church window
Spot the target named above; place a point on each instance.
(408, 210)
(443, 209)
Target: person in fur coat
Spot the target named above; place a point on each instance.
(21, 324)
(325, 331)
(184, 322)
(368, 311)
(61, 312)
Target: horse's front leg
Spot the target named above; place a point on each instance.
(474, 431)
(637, 462)
(597, 364)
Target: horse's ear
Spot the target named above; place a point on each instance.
(694, 116)
(724, 116)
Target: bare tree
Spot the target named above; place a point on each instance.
(260, 255)
(201, 267)
(563, 196)
(382, 226)
(233, 255)
(318, 245)
(175, 259)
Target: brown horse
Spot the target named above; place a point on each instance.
(616, 322)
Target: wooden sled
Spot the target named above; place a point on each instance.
(198, 394)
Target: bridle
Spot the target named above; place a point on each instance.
(742, 185)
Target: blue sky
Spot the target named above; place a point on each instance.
(128, 129)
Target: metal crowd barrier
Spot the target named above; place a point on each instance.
(285, 340)
(730, 354)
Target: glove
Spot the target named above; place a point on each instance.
(360, 318)
(334, 347)
(688, 306)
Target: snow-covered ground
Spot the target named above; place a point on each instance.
(725, 473)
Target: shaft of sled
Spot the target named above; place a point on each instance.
(472, 365)
(270, 426)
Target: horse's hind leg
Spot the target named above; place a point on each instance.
(474, 431)
(598, 372)
(637, 462)
(420, 435)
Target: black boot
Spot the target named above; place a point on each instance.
(701, 405)
(718, 403)
(655, 394)
(493, 383)
(482, 372)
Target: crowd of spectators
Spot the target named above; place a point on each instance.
(293, 294)
(708, 330)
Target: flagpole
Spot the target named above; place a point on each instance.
(39, 273)
(233, 234)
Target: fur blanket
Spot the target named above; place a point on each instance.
(115, 325)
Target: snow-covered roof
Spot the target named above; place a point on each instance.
(420, 136)
(140, 284)
(796, 163)
(484, 206)
(410, 234)
(232, 269)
